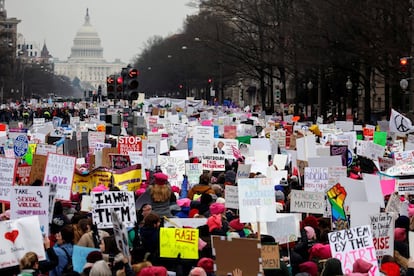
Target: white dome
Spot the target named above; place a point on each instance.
(86, 44)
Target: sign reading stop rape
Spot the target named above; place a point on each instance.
(382, 226)
(351, 244)
(129, 143)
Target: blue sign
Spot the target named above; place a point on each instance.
(21, 145)
(349, 159)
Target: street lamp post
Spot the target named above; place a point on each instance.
(348, 86)
(309, 86)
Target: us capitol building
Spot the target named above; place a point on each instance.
(86, 60)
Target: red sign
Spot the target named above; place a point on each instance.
(129, 143)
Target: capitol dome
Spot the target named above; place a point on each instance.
(86, 44)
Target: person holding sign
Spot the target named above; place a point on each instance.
(63, 249)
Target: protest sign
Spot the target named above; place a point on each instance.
(382, 226)
(335, 173)
(270, 256)
(243, 171)
(249, 263)
(121, 202)
(232, 197)
(203, 144)
(256, 200)
(31, 201)
(193, 172)
(7, 173)
(120, 233)
(393, 204)
(20, 236)
(79, 256)
(129, 143)
(44, 149)
(316, 179)
(405, 186)
(174, 167)
(128, 179)
(119, 161)
(20, 145)
(59, 171)
(179, 241)
(93, 138)
(351, 244)
(185, 222)
(307, 202)
(215, 162)
(285, 229)
(360, 212)
(23, 174)
(341, 150)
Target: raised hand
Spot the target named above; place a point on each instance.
(336, 197)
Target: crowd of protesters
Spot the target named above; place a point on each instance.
(309, 255)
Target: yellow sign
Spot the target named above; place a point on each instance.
(183, 241)
(126, 179)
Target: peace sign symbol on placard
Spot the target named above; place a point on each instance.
(400, 124)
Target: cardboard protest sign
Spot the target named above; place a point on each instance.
(307, 202)
(20, 236)
(103, 203)
(316, 179)
(232, 197)
(7, 173)
(393, 204)
(59, 171)
(249, 263)
(31, 201)
(256, 200)
(175, 241)
(270, 256)
(382, 226)
(351, 244)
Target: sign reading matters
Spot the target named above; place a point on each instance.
(121, 202)
(307, 202)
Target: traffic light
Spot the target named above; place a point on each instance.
(210, 80)
(131, 84)
(404, 63)
(110, 87)
(119, 86)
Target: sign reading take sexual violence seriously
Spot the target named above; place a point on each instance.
(351, 244)
(31, 201)
(59, 171)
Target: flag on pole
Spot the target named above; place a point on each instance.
(399, 123)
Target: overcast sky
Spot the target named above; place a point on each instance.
(123, 25)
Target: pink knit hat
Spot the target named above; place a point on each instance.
(217, 208)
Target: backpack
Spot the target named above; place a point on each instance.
(69, 266)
